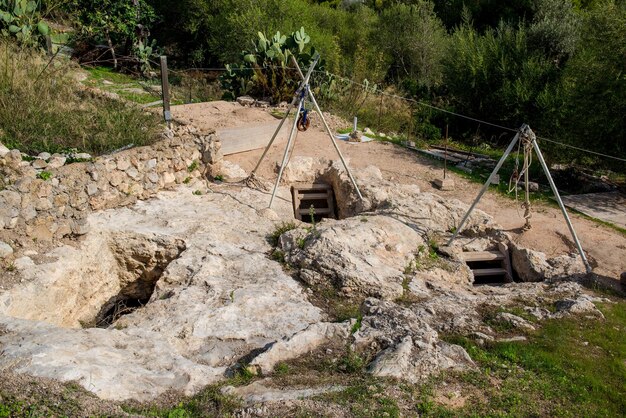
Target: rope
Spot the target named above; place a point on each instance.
(527, 142)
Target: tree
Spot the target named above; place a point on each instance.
(595, 83)
(497, 76)
(415, 39)
(555, 29)
(115, 21)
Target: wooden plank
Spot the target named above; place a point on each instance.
(312, 186)
(458, 151)
(482, 256)
(438, 154)
(295, 199)
(249, 137)
(489, 272)
(312, 196)
(318, 211)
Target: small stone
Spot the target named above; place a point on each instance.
(39, 164)
(123, 164)
(168, 178)
(245, 100)
(446, 184)
(153, 177)
(56, 162)
(150, 164)
(5, 250)
(43, 204)
(82, 156)
(133, 173)
(44, 155)
(79, 227)
(3, 150)
(92, 189)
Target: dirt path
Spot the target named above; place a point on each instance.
(606, 248)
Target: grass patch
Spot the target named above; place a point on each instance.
(280, 229)
(130, 88)
(208, 402)
(42, 108)
(365, 398)
(571, 367)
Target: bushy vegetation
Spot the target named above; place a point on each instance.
(554, 64)
(42, 108)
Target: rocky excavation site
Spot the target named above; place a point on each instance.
(134, 279)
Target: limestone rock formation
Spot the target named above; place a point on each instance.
(360, 255)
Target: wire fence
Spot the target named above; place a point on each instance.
(377, 107)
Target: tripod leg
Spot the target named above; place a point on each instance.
(267, 148)
(561, 205)
(285, 155)
(296, 96)
(332, 138)
(486, 186)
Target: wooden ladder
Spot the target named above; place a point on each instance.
(319, 195)
(501, 255)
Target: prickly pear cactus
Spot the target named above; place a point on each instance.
(269, 63)
(22, 19)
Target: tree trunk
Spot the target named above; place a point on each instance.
(110, 43)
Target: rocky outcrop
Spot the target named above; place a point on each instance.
(359, 256)
(534, 266)
(411, 349)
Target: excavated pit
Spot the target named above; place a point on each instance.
(111, 277)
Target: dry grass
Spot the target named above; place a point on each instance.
(43, 108)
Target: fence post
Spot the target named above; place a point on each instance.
(49, 45)
(165, 92)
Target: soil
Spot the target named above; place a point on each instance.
(605, 247)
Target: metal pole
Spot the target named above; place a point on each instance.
(445, 156)
(330, 134)
(292, 135)
(332, 138)
(486, 186)
(295, 99)
(165, 92)
(561, 205)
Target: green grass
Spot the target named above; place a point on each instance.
(553, 374)
(366, 397)
(44, 109)
(107, 79)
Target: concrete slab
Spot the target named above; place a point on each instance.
(609, 207)
(251, 137)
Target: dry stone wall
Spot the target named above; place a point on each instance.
(49, 201)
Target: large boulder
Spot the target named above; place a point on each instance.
(534, 266)
(362, 255)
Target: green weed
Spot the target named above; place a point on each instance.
(280, 229)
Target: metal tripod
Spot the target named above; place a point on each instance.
(301, 93)
(529, 135)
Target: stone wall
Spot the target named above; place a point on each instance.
(49, 201)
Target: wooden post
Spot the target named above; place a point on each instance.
(165, 92)
(49, 45)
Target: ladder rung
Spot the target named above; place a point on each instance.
(482, 256)
(489, 272)
(318, 211)
(314, 186)
(313, 196)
